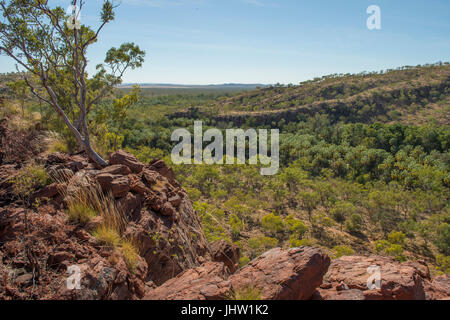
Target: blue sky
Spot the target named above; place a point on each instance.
(269, 41)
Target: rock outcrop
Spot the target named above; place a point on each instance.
(278, 274)
(438, 288)
(228, 253)
(347, 279)
(207, 282)
(159, 217)
(35, 260)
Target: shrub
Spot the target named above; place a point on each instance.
(194, 194)
(341, 211)
(261, 244)
(396, 251)
(397, 238)
(340, 251)
(29, 179)
(272, 224)
(296, 226)
(236, 225)
(443, 263)
(244, 260)
(354, 224)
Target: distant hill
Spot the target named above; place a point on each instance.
(239, 86)
(410, 95)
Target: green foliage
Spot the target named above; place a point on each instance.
(295, 226)
(341, 211)
(248, 293)
(212, 222)
(261, 244)
(236, 226)
(29, 179)
(443, 263)
(80, 212)
(397, 238)
(393, 246)
(340, 251)
(107, 236)
(244, 260)
(309, 201)
(272, 224)
(354, 224)
(443, 238)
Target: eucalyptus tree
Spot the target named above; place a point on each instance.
(51, 46)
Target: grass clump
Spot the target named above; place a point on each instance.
(107, 236)
(130, 253)
(248, 293)
(80, 212)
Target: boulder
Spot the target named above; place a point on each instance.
(126, 159)
(161, 167)
(439, 288)
(116, 169)
(228, 253)
(48, 192)
(119, 185)
(279, 274)
(399, 281)
(207, 282)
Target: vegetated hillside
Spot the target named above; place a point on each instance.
(410, 95)
(350, 184)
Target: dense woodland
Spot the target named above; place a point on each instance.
(365, 164)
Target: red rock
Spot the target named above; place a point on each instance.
(116, 169)
(49, 191)
(175, 201)
(126, 159)
(227, 253)
(57, 258)
(439, 288)
(137, 186)
(167, 209)
(119, 185)
(161, 167)
(130, 203)
(399, 281)
(278, 274)
(206, 282)
(150, 177)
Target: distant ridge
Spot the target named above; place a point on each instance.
(194, 86)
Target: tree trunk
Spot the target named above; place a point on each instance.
(94, 156)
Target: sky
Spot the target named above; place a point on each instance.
(268, 41)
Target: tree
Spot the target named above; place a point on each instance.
(43, 45)
(116, 113)
(341, 211)
(309, 201)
